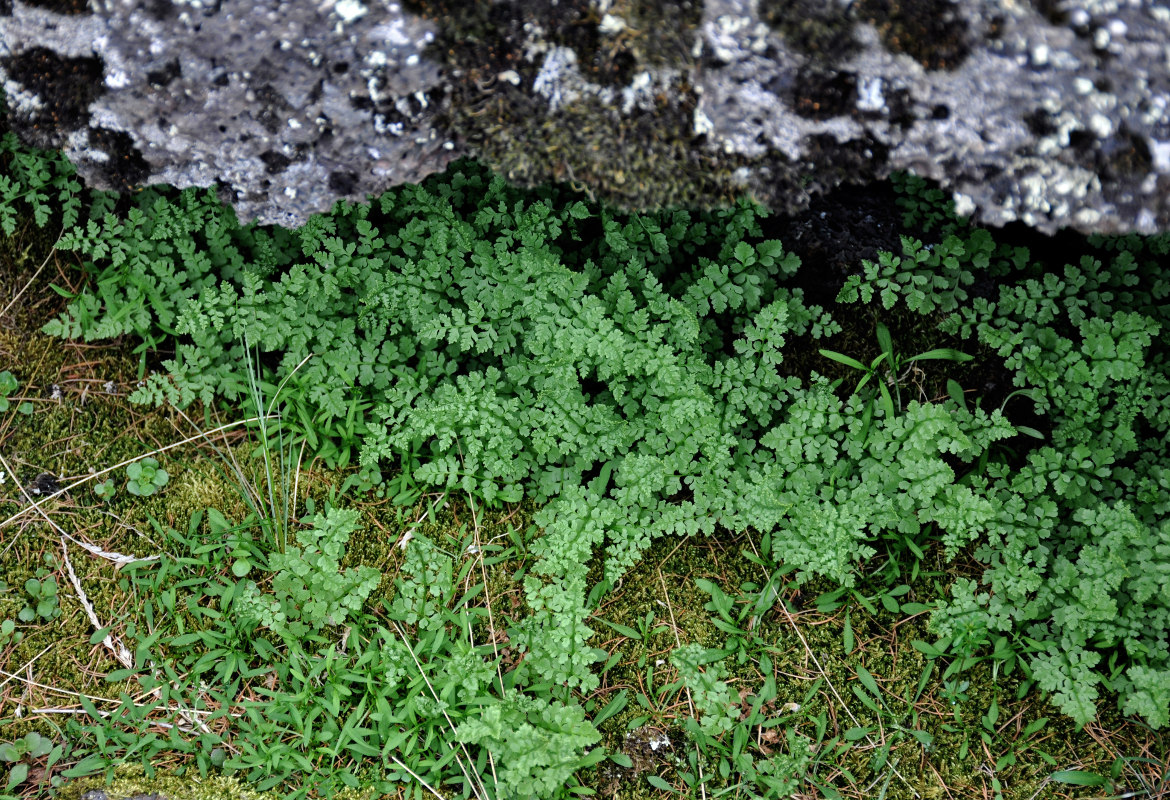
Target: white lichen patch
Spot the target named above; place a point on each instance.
(1160, 151)
(702, 123)
(117, 79)
(393, 32)
(611, 25)
(638, 92)
(1100, 125)
(20, 99)
(350, 10)
(723, 36)
(658, 741)
(964, 204)
(869, 94)
(1087, 216)
(1146, 222)
(556, 76)
(1064, 124)
(1049, 190)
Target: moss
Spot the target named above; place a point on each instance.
(644, 159)
(932, 32)
(822, 30)
(805, 646)
(130, 781)
(929, 31)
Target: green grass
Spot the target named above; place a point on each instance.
(842, 692)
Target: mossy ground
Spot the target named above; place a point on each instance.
(806, 649)
(89, 425)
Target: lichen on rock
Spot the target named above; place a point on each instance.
(287, 106)
(1055, 113)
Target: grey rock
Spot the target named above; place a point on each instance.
(1055, 113)
(1055, 122)
(287, 106)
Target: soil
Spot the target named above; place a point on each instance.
(837, 232)
(852, 224)
(66, 87)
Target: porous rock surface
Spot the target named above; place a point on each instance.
(286, 106)
(1052, 112)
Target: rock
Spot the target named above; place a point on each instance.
(1052, 112)
(287, 106)
(43, 485)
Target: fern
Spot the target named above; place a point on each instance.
(703, 675)
(626, 369)
(310, 590)
(537, 744)
(927, 278)
(43, 183)
(1078, 518)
